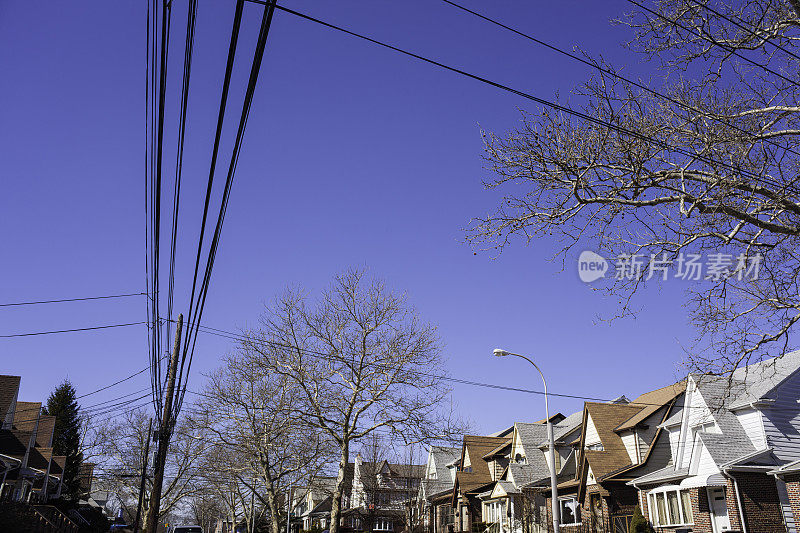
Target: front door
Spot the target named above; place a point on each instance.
(719, 510)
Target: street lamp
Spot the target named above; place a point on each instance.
(553, 481)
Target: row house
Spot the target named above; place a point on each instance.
(436, 489)
(491, 483)
(708, 454)
(28, 469)
(376, 497)
(734, 451)
(617, 443)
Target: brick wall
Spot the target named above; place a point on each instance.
(793, 488)
(700, 510)
(733, 506)
(760, 502)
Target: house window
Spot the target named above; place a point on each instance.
(383, 524)
(670, 507)
(520, 459)
(354, 523)
(494, 512)
(570, 511)
(597, 446)
(468, 469)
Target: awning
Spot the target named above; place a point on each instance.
(709, 480)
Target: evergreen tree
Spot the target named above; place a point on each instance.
(63, 405)
(639, 523)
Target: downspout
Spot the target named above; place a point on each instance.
(738, 499)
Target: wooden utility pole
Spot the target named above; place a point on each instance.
(164, 434)
(145, 460)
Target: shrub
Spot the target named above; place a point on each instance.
(639, 523)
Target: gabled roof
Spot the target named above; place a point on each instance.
(441, 457)
(59, 462)
(763, 377)
(40, 458)
(725, 448)
(26, 414)
(395, 469)
(9, 388)
(476, 447)
(651, 402)
(554, 419)
(566, 426)
(14, 443)
(531, 435)
(44, 435)
(606, 417)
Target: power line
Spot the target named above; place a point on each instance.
(123, 380)
(705, 35)
(742, 26)
(615, 74)
(321, 355)
(232, 45)
(196, 317)
(71, 330)
(558, 107)
(81, 299)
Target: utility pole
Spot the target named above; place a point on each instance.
(164, 434)
(144, 477)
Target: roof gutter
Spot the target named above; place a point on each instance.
(659, 480)
(738, 498)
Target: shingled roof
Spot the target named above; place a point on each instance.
(651, 402)
(606, 417)
(26, 414)
(475, 447)
(9, 388)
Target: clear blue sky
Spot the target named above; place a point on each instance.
(354, 155)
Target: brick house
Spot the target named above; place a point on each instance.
(617, 442)
(733, 452)
(525, 469)
(474, 478)
(28, 469)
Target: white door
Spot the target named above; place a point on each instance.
(719, 510)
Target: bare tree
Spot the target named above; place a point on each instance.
(362, 359)
(703, 164)
(121, 450)
(248, 410)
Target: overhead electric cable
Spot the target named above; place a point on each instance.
(81, 299)
(31, 334)
(196, 317)
(558, 107)
(617, 75)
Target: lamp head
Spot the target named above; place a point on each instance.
(500, 353)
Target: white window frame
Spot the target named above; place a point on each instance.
(383, 524)
(576, 510)
(655, 516)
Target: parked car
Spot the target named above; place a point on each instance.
(186, 529)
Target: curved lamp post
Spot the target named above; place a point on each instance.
(552, 452)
